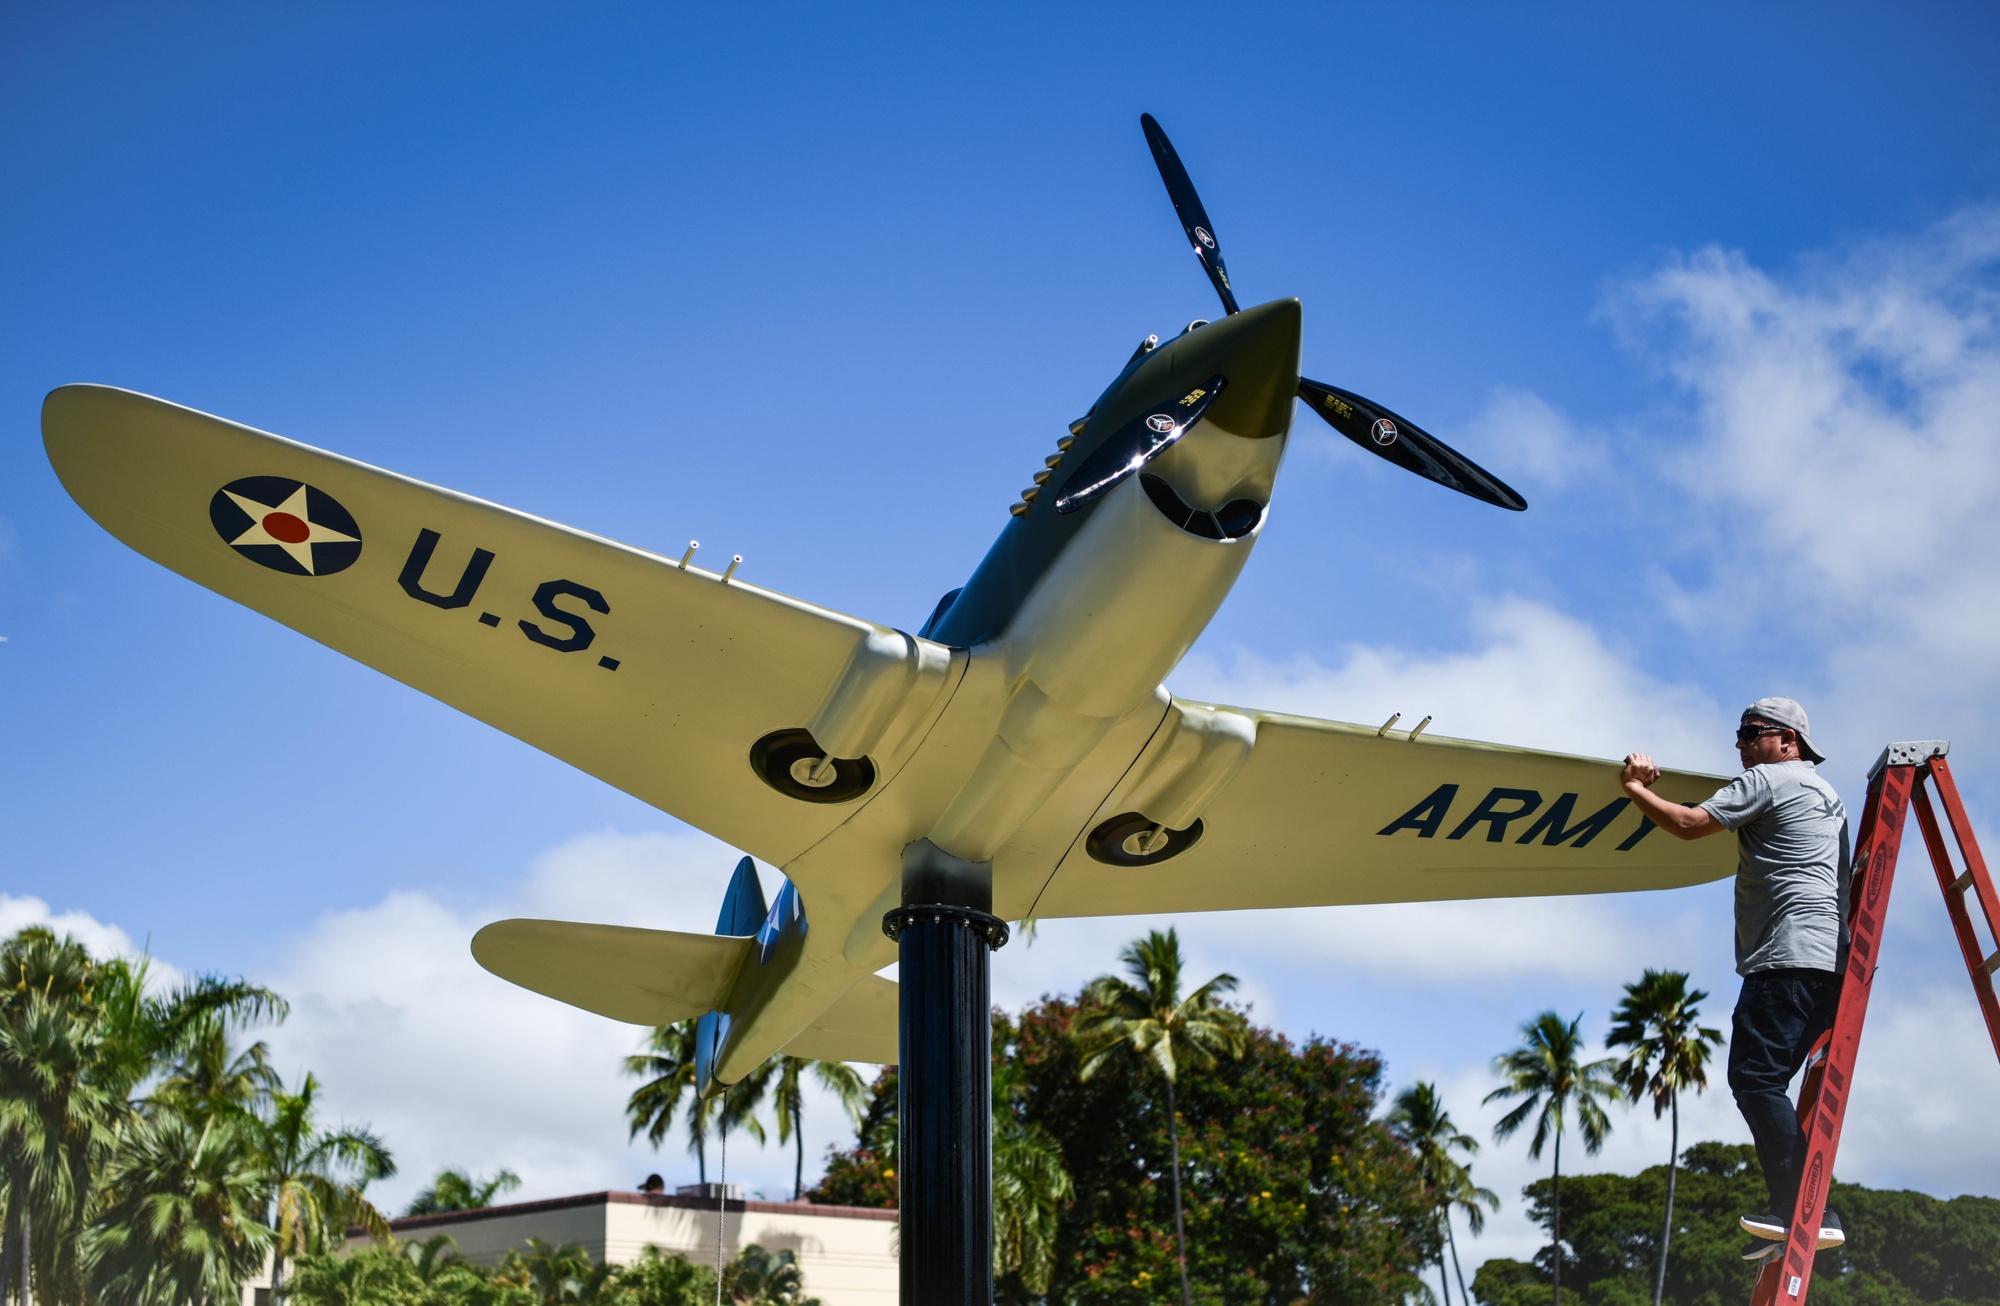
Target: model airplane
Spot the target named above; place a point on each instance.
(1024, 724)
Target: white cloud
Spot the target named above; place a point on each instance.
(1523, 432)
(458, 1068)
(102, 940)
(1538, 679)
(1846, 429)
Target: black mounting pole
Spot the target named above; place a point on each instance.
(947, 933)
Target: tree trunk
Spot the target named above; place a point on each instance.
(1452, 1239)
(277, 1275)
(1556, 1224)
(27, 1254)
(1673, 1172)
(1180, 1232)
(799, 1137)
(1444, 1284)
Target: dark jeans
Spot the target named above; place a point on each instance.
(1778, 1015)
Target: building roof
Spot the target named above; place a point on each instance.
(624, 1197)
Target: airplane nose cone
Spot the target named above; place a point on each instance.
(1258, 350)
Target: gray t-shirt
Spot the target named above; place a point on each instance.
(1791, 869)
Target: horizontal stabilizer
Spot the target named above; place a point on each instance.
(861, 1026)
(642, 977)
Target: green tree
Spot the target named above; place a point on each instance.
(77, 1037)
(1147, 1018)
(668, 1066)
(789, 1095)
(179, 1223)
(317, 1177)
(210, 1077)
(1903, 1248)
(865, 1174)
(373, 1276)
(764, 1278)
(461, 1190)
(59, 1111)
(660, 1278)
(1031, 1185)
(1668, 1054)
(1546, 1072)
(1419, 1119)
(1293, 1190)
(560, 1276)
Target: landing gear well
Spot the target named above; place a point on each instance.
(793, 763)
(1132, 839)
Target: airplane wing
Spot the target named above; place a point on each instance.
(861, 1025)
(652, 677)
(642, 977)
(1323, 813)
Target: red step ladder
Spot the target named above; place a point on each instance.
(1895, 785)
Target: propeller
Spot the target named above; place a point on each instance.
(1194, 218)
(1367, 423)
(1406, 444)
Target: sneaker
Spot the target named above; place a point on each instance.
(1763, 1251)
(1764, 1226)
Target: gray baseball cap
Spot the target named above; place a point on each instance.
(1786, 712)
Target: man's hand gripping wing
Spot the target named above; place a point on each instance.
(1321, 813)
(654, 678)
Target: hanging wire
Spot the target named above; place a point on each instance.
(722, 1193)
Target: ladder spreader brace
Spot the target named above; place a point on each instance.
(1895, 784)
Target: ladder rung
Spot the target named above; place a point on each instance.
(1963, 882)
(1991, 964)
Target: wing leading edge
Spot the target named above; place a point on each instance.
(1324, 813)
(652, 677)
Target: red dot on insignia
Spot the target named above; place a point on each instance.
(286, 529)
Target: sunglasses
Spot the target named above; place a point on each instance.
(1748, 734)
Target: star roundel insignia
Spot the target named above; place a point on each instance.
(286, 525)
(1161, 422)
(1201, 234)
(1383, 432)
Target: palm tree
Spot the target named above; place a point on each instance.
(77, 1038)
(209, 1077)
(317, 1177)
(669, 1060)
(1546, 1074)
(59, 1111)
(1030, 1186)
(1669, 1052)
(1420, 1120)
(762, 1278)
(179, 1218)
(560, 1276)
(459, 1190)
(1154, 1023)
(789, 1093)
(668, 1066)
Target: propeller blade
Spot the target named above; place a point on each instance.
(1136, 443)
(1194, 218)
(1406, 444)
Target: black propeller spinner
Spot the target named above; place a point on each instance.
(1367, 423)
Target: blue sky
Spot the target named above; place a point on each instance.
(1714, 286)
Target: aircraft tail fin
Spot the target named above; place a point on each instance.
(643, 977)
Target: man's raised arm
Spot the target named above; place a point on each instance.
(1677, 820)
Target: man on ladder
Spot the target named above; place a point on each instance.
(1791, 884)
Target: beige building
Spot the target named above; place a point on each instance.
(847, 1253)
